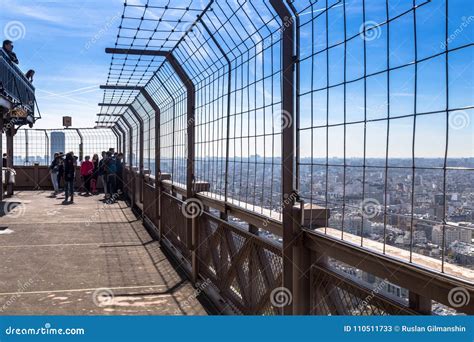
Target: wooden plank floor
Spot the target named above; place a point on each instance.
(87, 258)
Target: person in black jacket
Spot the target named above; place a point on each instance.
(119, 170)
(69, 176)
(8, 50)
(60, 169)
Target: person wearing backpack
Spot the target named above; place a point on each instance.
(69, 176)
(111, 171)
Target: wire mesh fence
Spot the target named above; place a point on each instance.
(383, 113)
(37, 146)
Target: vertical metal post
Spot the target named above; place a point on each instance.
(123, 143)
(191, 98)
(155, 107)
(141, 147)
(81, 145)
(117, 136)
(47, 147)
(229, 85)
(288, 143)
(10, 133)
(419, 303)
(130, 158)
(1, 149)
(26, 148)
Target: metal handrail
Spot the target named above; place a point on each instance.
(15, 84)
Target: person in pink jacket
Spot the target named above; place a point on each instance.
(87, 171)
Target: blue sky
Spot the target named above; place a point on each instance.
(64, 42)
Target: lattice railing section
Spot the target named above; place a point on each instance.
(334, 294)
(244, 267)
(173, 224)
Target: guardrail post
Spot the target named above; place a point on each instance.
(288, 143)
(1, 149)
(198, 187)
(157, 203)
(419, 303)
(141, 147)
(10, 133)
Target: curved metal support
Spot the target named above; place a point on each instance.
(229, 85)
(123, 136)
(81, 145)
(173, 101)
(191, 229)
(156, 108)
(190, 89)
(119, 142)
(47, 147)
(140, 136)
(130, 140)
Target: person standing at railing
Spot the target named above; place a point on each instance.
(8, 49)
(87, 170)
(29, 75)
(54, 168)
(69, 176)
(111, 172)
(95, 174)
(119, 178)
(60, 169)
(101, 172)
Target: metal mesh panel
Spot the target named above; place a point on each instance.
(381, 115)
(39, 145)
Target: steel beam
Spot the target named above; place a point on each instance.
(288, 146)
(122, 131)
(114, 104)
(120, 87)
(140, 137)
(130, 140)
(81, 144)
(119, 142)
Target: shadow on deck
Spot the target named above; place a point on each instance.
(88, 258)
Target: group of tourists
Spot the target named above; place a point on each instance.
(107, 171)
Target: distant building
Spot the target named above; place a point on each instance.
(452, 234)
(57, 142)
